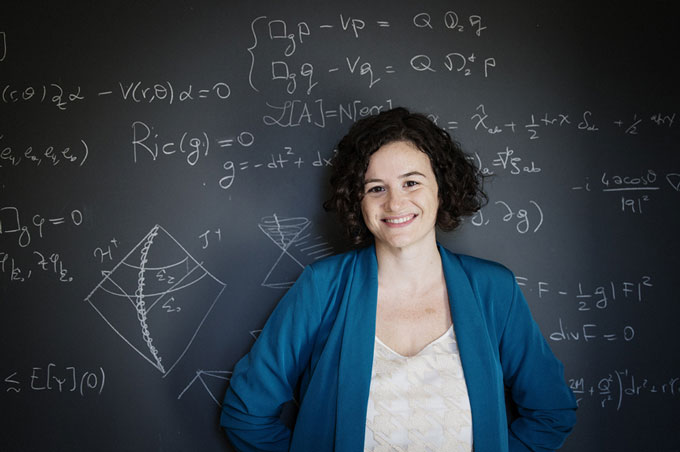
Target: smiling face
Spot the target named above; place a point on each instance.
(400, 200)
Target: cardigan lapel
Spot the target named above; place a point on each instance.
(477, 354)
(356, 353)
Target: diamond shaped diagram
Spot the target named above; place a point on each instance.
(157, 299)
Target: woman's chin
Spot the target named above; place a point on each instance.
(401, 242)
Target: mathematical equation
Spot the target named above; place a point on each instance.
(505, 161)
(528, 218)
(20, 268)
(356, 66)
(50, 263)
(53, 378)
(294, 113)
(287, 159)
(50, 155)
(289, 39)
(145, 140)
(586, 121)
(616, 387)
(135, 92)
(597, 297)
(297, 112)
(52, 93)
(193, 146)
(634, 190)
(277, 29)
(591, 332)
(10, 223)
(138, 92)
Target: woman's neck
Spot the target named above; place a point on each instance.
(411, 267)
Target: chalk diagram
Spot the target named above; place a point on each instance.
(296, 245)
(157, 298)
(212, 381)
(255, 334)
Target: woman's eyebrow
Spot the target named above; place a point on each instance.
(403, 176)
(412, 173)
(370, 181)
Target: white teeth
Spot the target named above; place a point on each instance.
(398, 220)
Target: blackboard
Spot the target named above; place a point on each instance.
(177, 153)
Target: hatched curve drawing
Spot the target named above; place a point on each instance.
(157, 299)
(297, 246)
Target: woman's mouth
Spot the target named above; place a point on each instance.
(399, 220)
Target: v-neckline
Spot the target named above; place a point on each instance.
(430, 344)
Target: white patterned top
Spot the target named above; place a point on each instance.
(419, 403)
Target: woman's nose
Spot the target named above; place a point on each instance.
(394, 201)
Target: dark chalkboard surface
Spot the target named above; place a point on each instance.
(163, 165)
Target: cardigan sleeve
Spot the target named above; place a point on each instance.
(545, 405)
(266, 377)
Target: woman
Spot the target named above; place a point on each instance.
(400, 345)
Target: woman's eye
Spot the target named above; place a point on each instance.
(411, 183)
(375, 189)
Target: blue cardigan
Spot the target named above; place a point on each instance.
(321, 337)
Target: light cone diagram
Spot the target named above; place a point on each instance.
(157, 299)
(297, 247)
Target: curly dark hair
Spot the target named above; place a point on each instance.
(459, 182)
